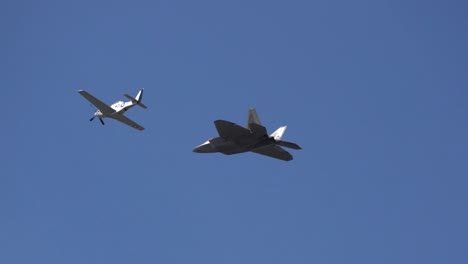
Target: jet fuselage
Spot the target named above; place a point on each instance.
(229, 146)
(234, 139)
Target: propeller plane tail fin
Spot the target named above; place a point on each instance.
(137, 99)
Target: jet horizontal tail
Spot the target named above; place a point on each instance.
(288, 144)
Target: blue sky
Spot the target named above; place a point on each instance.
(374, 91)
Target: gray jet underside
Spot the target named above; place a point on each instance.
(234, 139)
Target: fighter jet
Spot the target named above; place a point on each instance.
(234, 139)
(117, 109)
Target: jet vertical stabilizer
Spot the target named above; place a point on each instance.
(253, 118)
(278, 134)
(254, 124)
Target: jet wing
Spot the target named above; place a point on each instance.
(274, 151)
(104, 108)
(127, 121)
(258, 129)
(228, 129)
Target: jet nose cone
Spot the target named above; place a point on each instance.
(196, 150)
(204, 148)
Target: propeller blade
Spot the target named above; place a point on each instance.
(102, 122)
(92, 118)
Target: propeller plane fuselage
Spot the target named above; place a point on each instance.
(116, 110)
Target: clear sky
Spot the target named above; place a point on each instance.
(374, 91)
